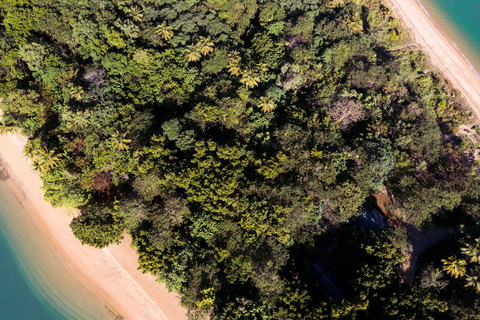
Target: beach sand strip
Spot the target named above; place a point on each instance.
(442, 52)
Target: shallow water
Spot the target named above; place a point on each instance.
(460, 21)
(35, 282)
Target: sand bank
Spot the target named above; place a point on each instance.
(443, 54)
(111, 274)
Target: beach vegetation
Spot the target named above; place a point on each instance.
(230, 138)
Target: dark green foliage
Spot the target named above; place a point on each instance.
(222, 134)
(432, 278)
(98, 227)
(412, 304)
(25, 109)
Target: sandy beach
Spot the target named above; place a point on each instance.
(443, 54)
(110, 273)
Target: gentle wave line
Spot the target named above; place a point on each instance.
(64, 259)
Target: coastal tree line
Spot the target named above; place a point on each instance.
(226, 136)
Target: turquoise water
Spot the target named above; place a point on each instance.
(17, 300)
(35, 282)
(460, 20)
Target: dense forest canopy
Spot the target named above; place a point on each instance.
(226, 137)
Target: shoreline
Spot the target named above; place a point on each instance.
(110, 273)
(447, 26)
(443, 53)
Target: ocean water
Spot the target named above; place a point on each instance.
(35, 282)
(460, 21)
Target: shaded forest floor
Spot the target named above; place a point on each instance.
(418, 241)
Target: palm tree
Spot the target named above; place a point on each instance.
(335, 3)
(356, 25)
(472, 251)
(81, 120)
(266, 104)
(76, 93)
(205, 45)
(250, 79)
(262, 68)
(48, 157)
(164, 31)
(234, 70)
(192, 53)
(474, 282)
(455, 267)
(45, 160)
(136, 13)
(234, 63)
(120, 141)
(7, 129)
(30, 149)
(39, 167)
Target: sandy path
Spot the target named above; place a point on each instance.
(450, 61)
(442, 52)
(419, 241)
(111, 273)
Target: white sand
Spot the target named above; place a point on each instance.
(111, 273)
